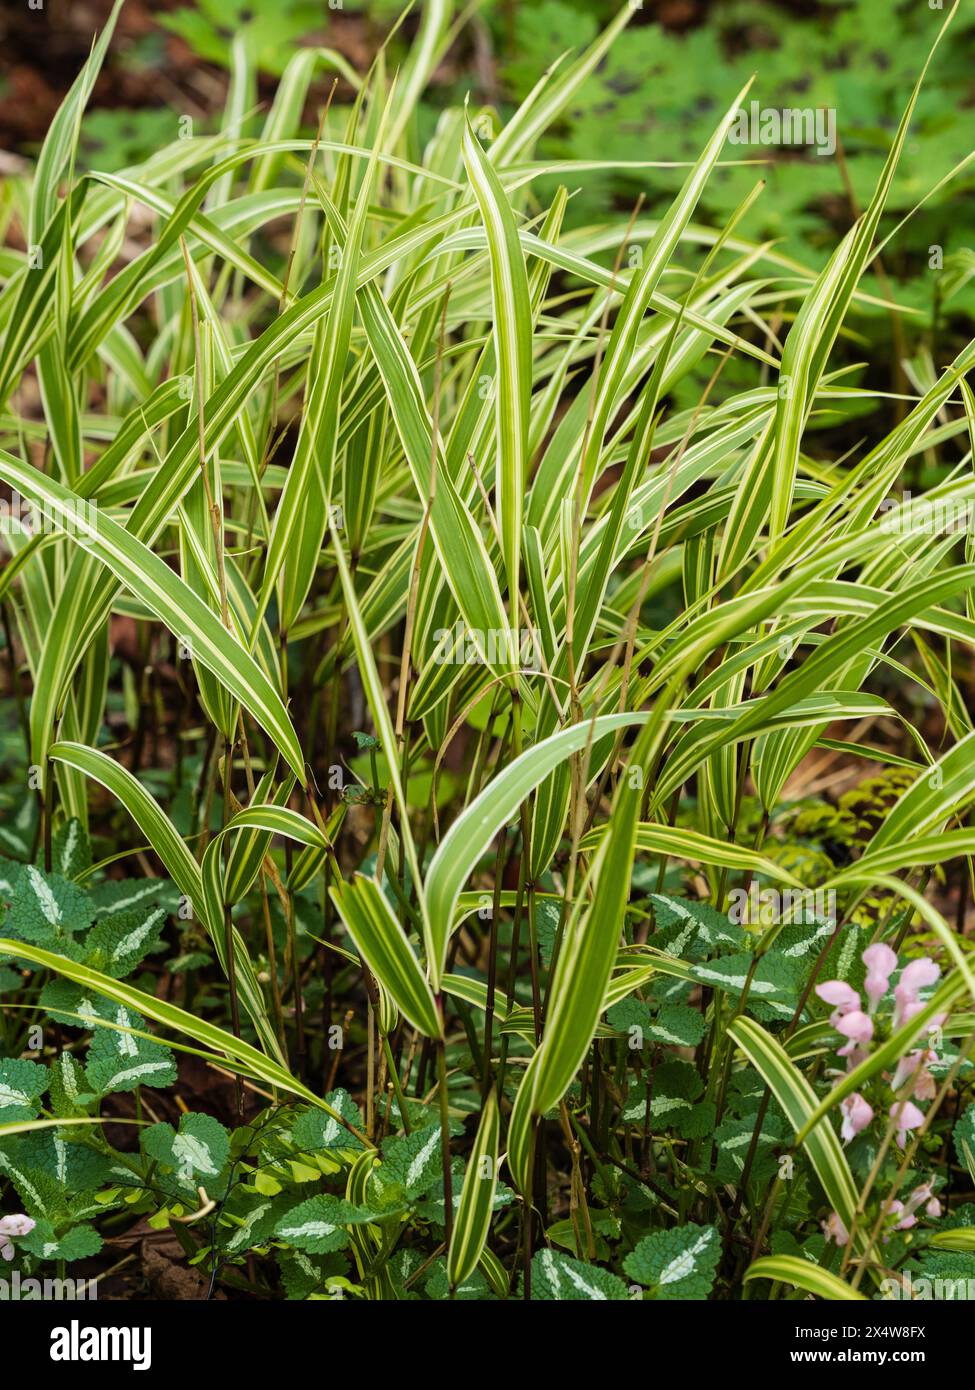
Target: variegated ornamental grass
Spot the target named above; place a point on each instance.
(354, 418)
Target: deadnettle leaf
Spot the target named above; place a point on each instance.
(629, 1014)
(253, 1224)
(733, 1140)
(958, 1216)
(64, 1156)
(116, 944)
(956, 1271)
(844, 959)
(431, 1207)
(68, 1004)
(676, 1077)
(42, 1196)
(799, 946)
(189, 960)
(403, 1264)
(411, 1166)
(690, 928)
(314, 1130)
(197, 1151)
(118, 1061)
(605, 1227)
(70, 849)
(677, 1025)
(667, 989)
(558, 1276)
(472, 1288)
(134, 894)
(675, 1104)
(17, 836)
(22, 1084)
(964, 1136)
(676, 1264)
(318, 1225)
(669, 1114)
(47, 908)
(302, 1274)
(773, 988)
(546, 926)
(673, 1025)
(785, 1243)
(803, 941)
(76, 1243)
(69, 1089)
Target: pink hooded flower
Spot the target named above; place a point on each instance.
(905, 1219)
(907, 1116)
(922, 1194)
(918, 974)
(843, 998)
(857, 1114)
(906, 1068)
(13, 1226)
(834, 1230)
(914, 977)
(881, 962)
(857, 1027)
(924, 1086)
(915, 1064)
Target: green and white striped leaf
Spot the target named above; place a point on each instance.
(173, 602)
(803, 1274)
(473, 1218)
(382, 944)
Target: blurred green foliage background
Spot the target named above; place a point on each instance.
(655, 98)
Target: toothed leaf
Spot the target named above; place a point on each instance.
(676, 1264)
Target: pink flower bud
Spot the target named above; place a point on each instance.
(933, 1209)
(880, 959)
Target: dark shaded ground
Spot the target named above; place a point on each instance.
(149, 67)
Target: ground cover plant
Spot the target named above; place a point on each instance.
(434, 627)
